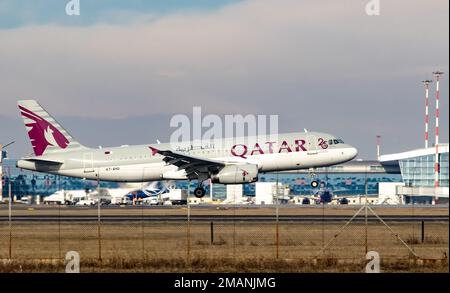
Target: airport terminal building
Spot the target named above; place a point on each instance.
(417, 168)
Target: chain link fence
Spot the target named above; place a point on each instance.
(224, 238)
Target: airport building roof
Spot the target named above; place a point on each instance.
(418, 171)
(443, 148)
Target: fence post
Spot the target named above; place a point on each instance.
(10, 216)
(188, 230)
(423, 231)
(99, 223)
(212, 233)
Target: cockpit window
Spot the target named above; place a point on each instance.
(335, 141)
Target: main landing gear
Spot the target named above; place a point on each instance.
(200, 191)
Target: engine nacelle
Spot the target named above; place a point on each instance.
(236, 174)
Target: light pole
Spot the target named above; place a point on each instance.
(437, 74)
(426, 84)
(378, 146)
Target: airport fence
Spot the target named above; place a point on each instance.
(223, 238)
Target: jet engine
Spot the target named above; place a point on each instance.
(236, 174)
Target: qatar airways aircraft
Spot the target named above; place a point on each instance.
(226, 161)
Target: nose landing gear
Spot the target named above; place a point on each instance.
(312, 175)
(314, 184)
(200, 191)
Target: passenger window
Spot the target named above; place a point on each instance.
(336, 141)
(330, 142)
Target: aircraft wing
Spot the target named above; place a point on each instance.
(192, 165)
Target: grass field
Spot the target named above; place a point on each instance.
(237, 246)
(123, 244)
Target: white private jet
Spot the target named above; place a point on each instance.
(226, 161)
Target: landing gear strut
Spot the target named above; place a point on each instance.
(199, 192)
(312, 175)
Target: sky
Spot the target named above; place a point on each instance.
(119, 71)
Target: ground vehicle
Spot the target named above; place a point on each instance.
(153, 201)
(85, 202)
(65, 197)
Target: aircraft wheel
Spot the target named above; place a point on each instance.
(199, 192)
(314, 184)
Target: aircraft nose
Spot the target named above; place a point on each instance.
(353, 152)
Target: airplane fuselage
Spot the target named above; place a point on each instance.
(138, 163)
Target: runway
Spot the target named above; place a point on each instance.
(221, 218)
(215, 213)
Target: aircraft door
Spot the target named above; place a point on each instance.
(88, 162)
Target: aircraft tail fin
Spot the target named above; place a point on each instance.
(45, 133)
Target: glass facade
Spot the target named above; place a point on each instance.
(419, 171)
(25, 182)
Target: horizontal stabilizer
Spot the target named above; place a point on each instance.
(45, 161)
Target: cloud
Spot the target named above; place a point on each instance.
(321, 65)
(20, 13)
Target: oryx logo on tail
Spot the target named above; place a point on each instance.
(42, 134)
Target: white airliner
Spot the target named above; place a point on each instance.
(226, 161)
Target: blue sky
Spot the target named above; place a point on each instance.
(18, 13)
